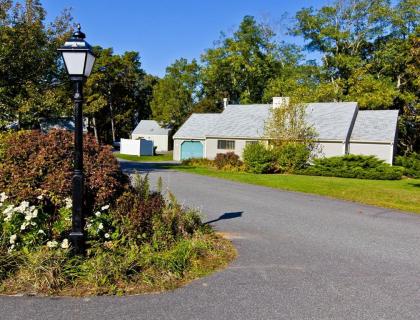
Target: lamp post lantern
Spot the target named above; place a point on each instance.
(78, 60)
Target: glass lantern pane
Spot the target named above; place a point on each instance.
(75, 62)
(90, 59)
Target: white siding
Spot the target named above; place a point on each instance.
(177, 149)
(159, 141)
(382, 151)
(329, 149)
(131, 147)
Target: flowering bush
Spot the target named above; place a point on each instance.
(25, 226)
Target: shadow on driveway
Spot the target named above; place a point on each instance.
(227, 216)
(135, 167)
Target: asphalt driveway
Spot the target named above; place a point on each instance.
(300, 257)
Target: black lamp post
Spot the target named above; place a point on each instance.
(78, 60)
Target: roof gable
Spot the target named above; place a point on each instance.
(375, 125)
(245, 121)
(150, 127)
(331, 120)
(197, 126)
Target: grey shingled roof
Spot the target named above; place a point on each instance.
(331, 121)
(375, 125)
(197, 126)
(245, 121)
(150, 127)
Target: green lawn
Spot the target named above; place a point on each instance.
(157, 158)
(399, 194)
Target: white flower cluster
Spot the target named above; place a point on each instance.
(3, 198)
(30, 212)
(54, 244)
(69, 203)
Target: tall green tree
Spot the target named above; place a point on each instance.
(369, 55)
(31, 78)
(240, 66)
(116, 93)
(176, 93)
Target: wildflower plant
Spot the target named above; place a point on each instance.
(27, 226)
(100, 227)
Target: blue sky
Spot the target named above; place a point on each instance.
(164, 30)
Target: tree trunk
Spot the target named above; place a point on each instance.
(112, 122)
(95, 131)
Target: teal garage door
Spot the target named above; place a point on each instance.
(191, 149)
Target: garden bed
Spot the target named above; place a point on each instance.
(138, 240)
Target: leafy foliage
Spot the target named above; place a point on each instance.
(287, 124)
(241, 65)
(292, 157)
(258, 158)
(354, 166)
(37, 164)
(117, 94)
(29, 65)
(227, 161)
(369, 55)
(411, 164)
(174, 95)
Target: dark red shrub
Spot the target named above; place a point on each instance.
(134, 214)
(35, 163)
(229, 159)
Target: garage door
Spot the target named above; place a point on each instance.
(191, 149)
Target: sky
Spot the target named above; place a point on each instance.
(164, 30)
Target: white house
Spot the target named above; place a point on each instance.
(336, 123)
(151, 130)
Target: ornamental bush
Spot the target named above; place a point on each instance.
(411, 164)
(35, 164)
(354, 166)
(259, 159)
(227, 161)
(292, 157)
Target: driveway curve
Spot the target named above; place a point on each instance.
(300, 257)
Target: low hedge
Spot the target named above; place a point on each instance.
(411, 164)
(354, 166)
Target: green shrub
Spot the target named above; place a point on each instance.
(259, 159)
(198, 162)
(37, 164)
(292, 157)
(411, 164)
(354, 166)
(227, 161)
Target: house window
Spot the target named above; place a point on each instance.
(251, 142)
(226, 144)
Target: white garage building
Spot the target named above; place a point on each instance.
(151, 130)
(339, 129)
